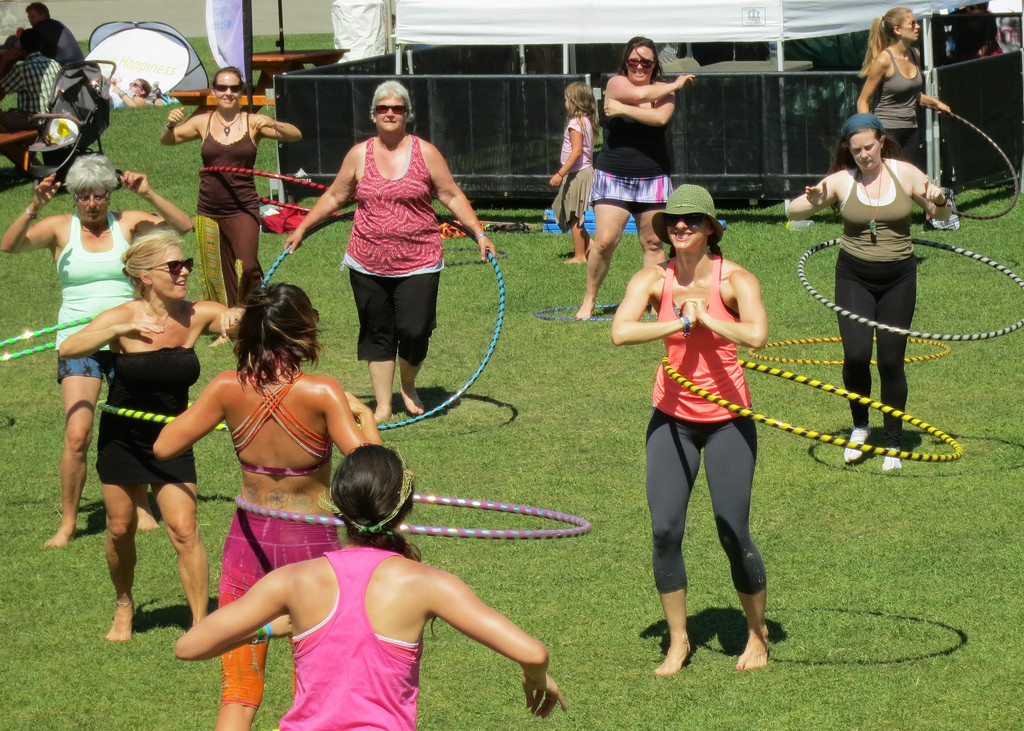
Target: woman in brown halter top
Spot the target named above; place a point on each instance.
(229, 139)
(283, 424)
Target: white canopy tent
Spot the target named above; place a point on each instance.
(510, 22)
(575, 22)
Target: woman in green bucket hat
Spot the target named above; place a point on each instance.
(707, 306)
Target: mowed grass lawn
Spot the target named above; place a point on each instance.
(894, 600)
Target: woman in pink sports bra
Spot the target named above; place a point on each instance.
(284, 424)
(357, 615)
(394, 253)
(707, 306)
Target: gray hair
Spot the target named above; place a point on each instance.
(390, 89)
(147, 252)
(90, 172)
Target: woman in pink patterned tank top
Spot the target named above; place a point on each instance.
(394, 253)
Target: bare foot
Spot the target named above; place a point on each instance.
(755, 655)
(413, 405)
(577, 260)
(62, 537)
(121, 630)
(146, 521)
(585, 312)
(380, 415)
(674, 659)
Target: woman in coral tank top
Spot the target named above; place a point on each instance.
(706, 305)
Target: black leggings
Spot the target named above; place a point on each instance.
(673, 461)
(909, 140)
(883, 291)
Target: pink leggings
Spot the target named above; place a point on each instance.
(255, 546)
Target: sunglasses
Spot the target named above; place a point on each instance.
(174, 268)
(233, 88)
(136, 84)
(393, 108)
(639, 63)
(98, 198)
(692, 220)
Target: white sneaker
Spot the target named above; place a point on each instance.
(891, 463)
(851, 454)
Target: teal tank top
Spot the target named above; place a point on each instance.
(91, 282)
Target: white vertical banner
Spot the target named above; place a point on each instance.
(226, 31)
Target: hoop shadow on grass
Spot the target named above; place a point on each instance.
(435, 395)
(822, 636)
(149, 616)
(822, 454)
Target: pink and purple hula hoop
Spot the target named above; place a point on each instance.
(581, 526)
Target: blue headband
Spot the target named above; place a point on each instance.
(859, 122)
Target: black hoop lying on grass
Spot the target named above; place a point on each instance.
(903, 331)
(1009, 166)
(958, 451)
(759, 353)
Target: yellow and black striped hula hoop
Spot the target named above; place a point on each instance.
(958, 451)
(759, 353)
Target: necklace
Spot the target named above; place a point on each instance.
(227, 127)
(873, 223)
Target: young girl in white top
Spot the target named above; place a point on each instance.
(576, 174)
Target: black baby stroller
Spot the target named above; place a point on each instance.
(79, 113)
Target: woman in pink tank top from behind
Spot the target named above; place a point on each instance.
(357, 615)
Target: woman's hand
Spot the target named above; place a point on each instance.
(694, 309)
(363, 414)
(542, 695)
(934, 195)
(176, 116)
(817, 195)
(556, 180)
(137, 183)
(228, 325)
(294, 240)
(43, 192)
(683, 80)
(484, 242)
(613, 107)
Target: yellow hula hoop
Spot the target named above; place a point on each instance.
(944, 349)
(958, 451)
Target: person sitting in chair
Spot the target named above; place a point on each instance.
(33, 79)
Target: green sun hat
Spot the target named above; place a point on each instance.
(688, 199)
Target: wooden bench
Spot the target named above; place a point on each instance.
(204, 101)
(14, 145)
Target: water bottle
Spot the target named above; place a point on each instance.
(799, 225)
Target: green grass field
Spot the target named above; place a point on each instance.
(891, 598)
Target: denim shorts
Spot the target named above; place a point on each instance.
(97, 365)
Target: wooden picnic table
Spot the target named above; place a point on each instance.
(265, 66)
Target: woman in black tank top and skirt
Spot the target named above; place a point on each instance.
(229, 139)
(876, 275)
(631, 172)
(893, 82)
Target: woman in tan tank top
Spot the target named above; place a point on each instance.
(876, 275)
